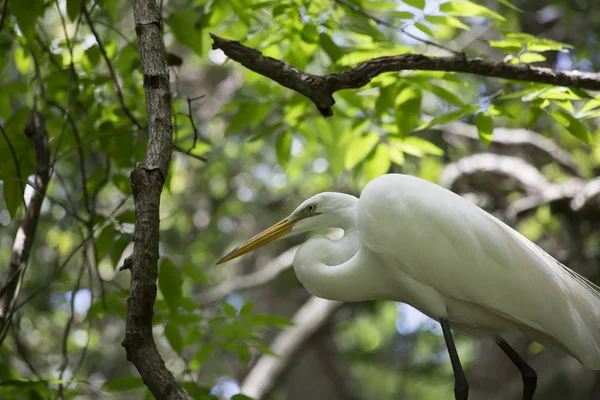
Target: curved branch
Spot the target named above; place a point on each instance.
(249, 281)
(515, 137)
(264, 376)
(510, 173)
(35, 129)
(147, 181)
(320, 89)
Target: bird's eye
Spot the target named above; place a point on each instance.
(311, 208)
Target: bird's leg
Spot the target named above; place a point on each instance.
(461, 386)
(527, 373)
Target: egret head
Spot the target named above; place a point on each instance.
(324, 210)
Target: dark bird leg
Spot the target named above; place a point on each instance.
(527, 373)
(461, 386)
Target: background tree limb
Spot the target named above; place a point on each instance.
(263, 378)
(147, 181)
(35, 129)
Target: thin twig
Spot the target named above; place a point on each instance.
(383, 22)
(4, 12)
(16, 160)
(111, 70)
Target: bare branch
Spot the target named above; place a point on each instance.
(35, 129)
(521, 138)
(111, 70)
(509, 173)
(265, 374)
(147, 181)
(320, 89)
(249, 281)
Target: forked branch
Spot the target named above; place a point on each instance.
(320, 89)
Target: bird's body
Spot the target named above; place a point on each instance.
(412, 241)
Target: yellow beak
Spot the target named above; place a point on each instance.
(267, 236)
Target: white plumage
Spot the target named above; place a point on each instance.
(412, 241)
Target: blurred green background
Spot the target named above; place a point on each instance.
(249, 151)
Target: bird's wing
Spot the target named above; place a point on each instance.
(443, 241)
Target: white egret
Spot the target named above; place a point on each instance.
(411, 241)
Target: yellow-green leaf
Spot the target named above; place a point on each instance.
(408, 110)
(485, 127)
(573, 125)
(448, 21)
(468, 9)
(359, 148)
(420, 4)
(378, 162)
(169, 283)
(283, 147)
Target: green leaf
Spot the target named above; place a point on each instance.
(507, 46)
(118, 247)
(408, 110)
(529, 57)
(590, 105)
(447, 21)
(195, 273)
(333, 50)
(120, 384)
(203, 354)
(468, 9)
(73, 7)
(309, 33)
(240, 396)
(105, 240)
(229, 310)
(13, 195)
(239, 120)
(396, 155)
(122, 183)
(420, 4)
(359, 148)
(449, 117)
(174, 337)
(485, 127)
(27, 13)
(510, 5)
(183, 26)
(415, 146)
(573, 125)
(169, 283)
(378, 162)
(283, 147)
(247, 309)
(424, 28)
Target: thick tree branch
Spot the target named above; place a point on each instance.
(35, 129)
(147, 181)
(264, 376)
(320, 89)
(249, 281)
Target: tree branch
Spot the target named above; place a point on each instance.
(147, 181)
(520, 138)
(35, 129)
(320, 89)
(264, 376)
(249, 281)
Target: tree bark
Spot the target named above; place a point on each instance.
(147, 181)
